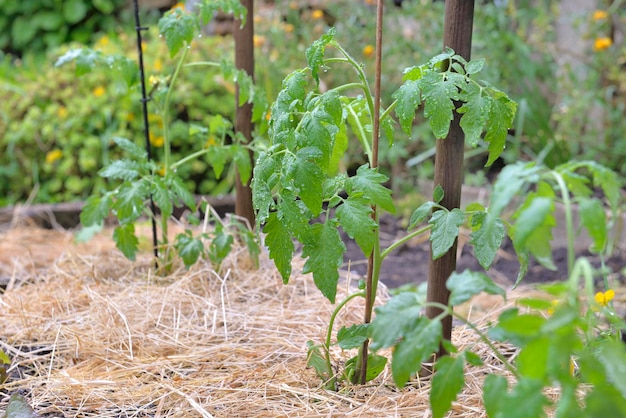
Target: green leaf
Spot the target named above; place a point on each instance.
(129, 204)
(208, 8)
(74, 10)
(104, 6)
(126, 240)
(308, 178)
(593, 218)
(122, 170)
(438, 193)
(86, 233)
(409, 98)
(180, 191)
(517, 328)
(532, 360)
(96, 209)
(189, 248)
(420, 214)
(355, 217)
(281, 248)
(475, 111)
(324, 252)
(438, 92)
(495, 391)
(4, 358)
(18, 407)
(487, 239)
(294, 214)
(86, 59)
(395, 319)
(130, 147)
(316, 359)
(178, 28)
(262, 198)
(464, 285)
(243, 161)
(474, 66)
(369, 182)
(501, 115)
(161, 196)
(375, 365)
(315, 53)
(445, 230)
(612, 356)
(417, 346)
(527, 392)
(220, 246)
(510, 182)
(352, 337)
(218, 156)
(447, 383)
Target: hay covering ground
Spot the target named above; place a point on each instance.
(92, 334)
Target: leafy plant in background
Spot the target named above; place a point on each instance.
(37, 26)
(142, 179)
(300, 193)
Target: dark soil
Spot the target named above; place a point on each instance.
(409, 263)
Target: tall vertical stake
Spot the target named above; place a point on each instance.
(244, 60)
(459, 19)
(146, 125)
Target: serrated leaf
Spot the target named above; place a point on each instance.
(501, 115)
(593, 218)
(395, 319)
(475, 111)
(294, 214)
(474, 66)
(178, 28)
(519, 329)
(369, 182)
(126, 240)
(308, 178)
(180, 191)
(189, 248)
(121, 169)
(340, 146)
(487, 239)
(352, 337)
(324, 252)
(218, 156)
(243, 161)
(438, 92)
(129, 204)
(510, 182)
(355, 217)
(208, 8)
(96, 209)
(86, 59)
(130, 147)
(445, 230)
(220, 246)
(463, 286)
(161, 196)
(495, 390)
(281, 247)
(416, 347)
(409, 98)
(262, 199)
(315, 53)
(447, 384)
(420, 214)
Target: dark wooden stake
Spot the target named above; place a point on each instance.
(459, 18)
(244, 60)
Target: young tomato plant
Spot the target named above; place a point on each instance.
(142, 179)
(569, 343)
(300, 193)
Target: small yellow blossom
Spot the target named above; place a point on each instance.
(62, 112)
(603, 298)
(103, 42)
(368, 51)
(551, 309)
(288, 27)
(210, 142)
(53, 156)
(156, 141)
(158, 65)
(160, 171)
(99, 91)
(258, 40)
(601, 44)
(317, 14)
(180, 5)
(130, 117)
(153, 80)
(600, 15)
(268, 116)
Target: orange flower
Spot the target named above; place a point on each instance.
(317, 14)
(288, 27)
(600, 15)
(258, 40)
(368, 51)
(180, 5)
(601, 44)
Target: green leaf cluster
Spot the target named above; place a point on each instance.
(448, 84)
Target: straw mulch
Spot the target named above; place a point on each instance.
(92, 334)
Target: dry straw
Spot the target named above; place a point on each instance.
(91, 334)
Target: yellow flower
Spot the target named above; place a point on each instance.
(368, 51)
(258, 40)
(317, 14)
(53, 155)
(604, 298)
(600, 15)
(158, 65)
(160, 171)
(210, 142)
(103, 42)
(180, 5)
(62, 112)
(268, 115)
(551, 309)
(288, 27)
(153, 80)
(99, 91)
(130, 117)
(156, 141)
(601, 44)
